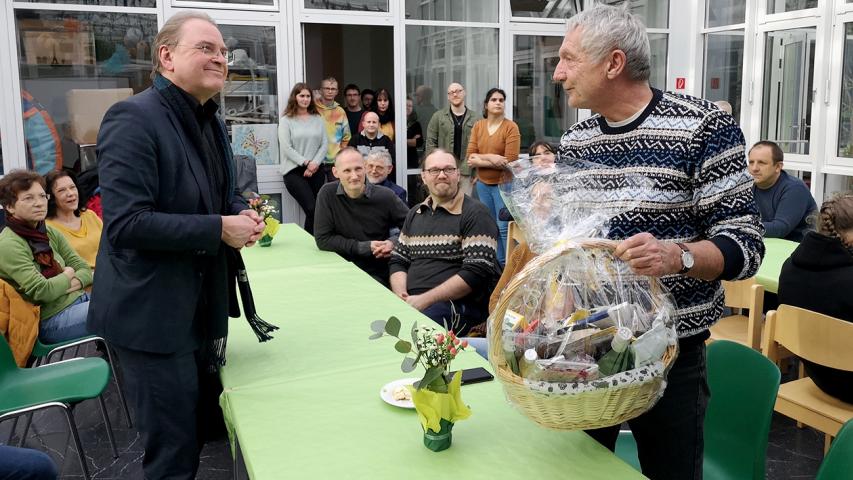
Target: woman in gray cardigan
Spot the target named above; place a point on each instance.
(302, 142)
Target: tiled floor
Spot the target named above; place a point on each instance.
(792, 453)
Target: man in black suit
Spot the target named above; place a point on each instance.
(172, 217)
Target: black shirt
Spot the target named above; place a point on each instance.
(458, 120)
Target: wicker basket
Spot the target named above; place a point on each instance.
(585, 410)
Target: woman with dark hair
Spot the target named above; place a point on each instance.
(542, 153)
(81, 227)
(39, 263)
(818, 276)
(414, 135)
(495, 141)
(384, 107)
(302, 142)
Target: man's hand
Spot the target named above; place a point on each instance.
(381, 248)
(241, 230)
(260, 221)
(75, 285)
(646, 255)
(418, 301)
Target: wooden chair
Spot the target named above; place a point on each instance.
(820, 339)
(743, 329)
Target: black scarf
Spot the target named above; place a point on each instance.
(213, 146)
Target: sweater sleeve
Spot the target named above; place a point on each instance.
(347, 134)
(401, 256)
(325, 232)
(432, 134)
(17, 264)
(290, 158)
(794, 204)
(479, 248)
(322, 144)
(473, 147)
(513, 142)
(723, 199)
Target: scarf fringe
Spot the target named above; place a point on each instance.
(261, 328)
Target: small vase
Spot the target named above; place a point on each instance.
(441, 440)
(265, 241)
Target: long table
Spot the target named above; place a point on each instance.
(776, 251)
(307, 405)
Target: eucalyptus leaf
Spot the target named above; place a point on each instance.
(376, 335)
(431, 374)
(408, 365)
(377, 326)
(403, 346)
(392, 327)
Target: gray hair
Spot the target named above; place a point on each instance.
(170, 34)
(607, 28)
(380, 155)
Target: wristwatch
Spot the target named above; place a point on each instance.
(686, 259)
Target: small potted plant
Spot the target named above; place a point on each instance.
(266, 209)
(437, 396)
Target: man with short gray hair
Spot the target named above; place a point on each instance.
(697, 224)
(379, 166)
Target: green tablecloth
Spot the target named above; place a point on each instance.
(776, 252)
(307, 404)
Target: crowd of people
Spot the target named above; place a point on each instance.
(174, 222)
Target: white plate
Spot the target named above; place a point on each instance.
(387, 392)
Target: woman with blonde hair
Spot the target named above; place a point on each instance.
(818, 276)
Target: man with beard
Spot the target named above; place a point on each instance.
(450, 129)
(445, 262)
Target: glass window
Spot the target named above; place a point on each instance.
(724, 68)
(362, 5)
(453, 10)
(539, 105)
(561, 9)
(249, 100)
(234, 2)
(101, 3)
(787, 99)
(432, 63)
(655, 13)
(658, 45)
(845, 118)
(2, 168)
(780, 6)
(835, 184)
(73, 67)
(724, 12)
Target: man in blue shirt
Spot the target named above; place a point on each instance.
(785, 202)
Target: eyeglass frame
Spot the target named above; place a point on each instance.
(435, 172)
(203, 48)
(456, 92)
(32, 201)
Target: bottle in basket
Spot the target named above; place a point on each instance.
(620, 358)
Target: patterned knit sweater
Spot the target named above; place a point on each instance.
(694, 155)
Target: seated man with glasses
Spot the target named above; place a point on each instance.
(445, 262)
(39, 263)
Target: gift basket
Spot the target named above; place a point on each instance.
(577, 339)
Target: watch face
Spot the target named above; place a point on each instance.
(687, 259)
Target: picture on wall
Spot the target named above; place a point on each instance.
(59, 47)
(257, 141)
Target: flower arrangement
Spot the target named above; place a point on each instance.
(266, 209)
(437, 396)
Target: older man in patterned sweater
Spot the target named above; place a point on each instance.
(697, 224)
(445, 261)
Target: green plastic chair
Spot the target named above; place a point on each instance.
(838, 463)
(59, 384)
(44, 353)
(743, 385)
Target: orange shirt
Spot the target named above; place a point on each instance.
(506, 141)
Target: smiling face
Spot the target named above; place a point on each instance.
(304, 99)
(195, 72)
(65, 195)
(542, 156)
(761, 167)
(377, 169)
(582, 77)
(349, 169)
(442, 186)
(31, 205)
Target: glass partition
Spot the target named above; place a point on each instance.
(100, 3)
(724, 12)
(788, 78)
(561, 9)
(780, 6)
(836, 184)
(453, 10)
(655, 13)
(73, 67)
(658, 45)
(358, 5)
(539, 104)
(845, 114)
(724, 68)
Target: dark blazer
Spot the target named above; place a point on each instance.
(160, 230)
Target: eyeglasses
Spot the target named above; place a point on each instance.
(433, 172)
(331, 89)
(208, 50)
(455, 92)
(33, 199)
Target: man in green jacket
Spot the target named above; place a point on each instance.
(450, 128)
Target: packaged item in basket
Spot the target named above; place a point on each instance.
(592, 324)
